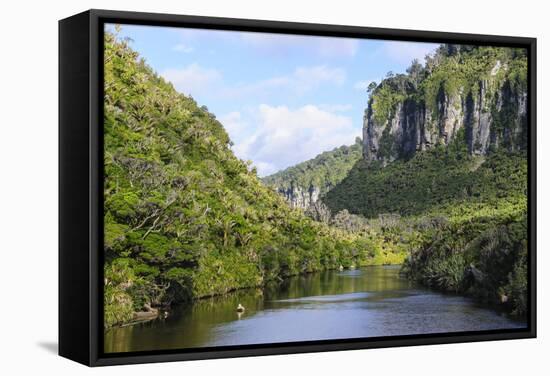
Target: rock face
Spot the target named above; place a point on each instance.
(473, 98)
(299, 198)
(490, 114)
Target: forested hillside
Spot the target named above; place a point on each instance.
(439, 178)
(469, 214)
(475, 94)
(184, 218)
(444, 165)
(305, 183)
(453, 135)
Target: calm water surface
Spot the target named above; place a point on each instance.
(368, 302)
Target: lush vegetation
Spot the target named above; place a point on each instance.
(324, 171)
(440, 180)
(457, 68)
(485, 256)
(463, 76)
(466, 219)
(453, 69)
(184, 218)
(463, 215)
(463, 218)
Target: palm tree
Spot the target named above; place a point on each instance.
(226, 225)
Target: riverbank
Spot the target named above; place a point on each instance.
(184, 218)
(151, 313)
(353, 303)
(486, 260)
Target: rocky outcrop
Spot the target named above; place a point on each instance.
(491, 114)
(299, 198)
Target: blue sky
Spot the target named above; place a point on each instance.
(282, 98)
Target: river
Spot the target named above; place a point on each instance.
(368, 302)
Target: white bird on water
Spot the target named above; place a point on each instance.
(240, 308)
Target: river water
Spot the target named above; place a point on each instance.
(368, 302)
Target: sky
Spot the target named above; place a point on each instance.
(283, 99)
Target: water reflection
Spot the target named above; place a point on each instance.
(367, 302)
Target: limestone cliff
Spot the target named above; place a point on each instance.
(477, 95)
(299, 197)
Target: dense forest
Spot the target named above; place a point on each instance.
(444, 157)
(438, 184)
(464, 230)
(186, 219)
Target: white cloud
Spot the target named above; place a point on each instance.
(195, 79)
(336, 107)
(235, 125)
(265, 168)
(311, 76)
(284, 137)
(181, 47)
(192, 78)
(405, 52)
(299, 82)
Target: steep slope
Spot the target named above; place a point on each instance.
(478, 94)
(444, 147)
(431, 182)
(184, 218)
(303, 184)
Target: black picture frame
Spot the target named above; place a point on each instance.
(81, 184)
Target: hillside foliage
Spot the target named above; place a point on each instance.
(468, 211)
(451, 70)
(183, 217)
(462, 216)
(324, 171)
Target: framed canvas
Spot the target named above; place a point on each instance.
(234, 187)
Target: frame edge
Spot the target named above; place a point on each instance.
(92, 21)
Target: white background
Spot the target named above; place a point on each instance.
(28, 185)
